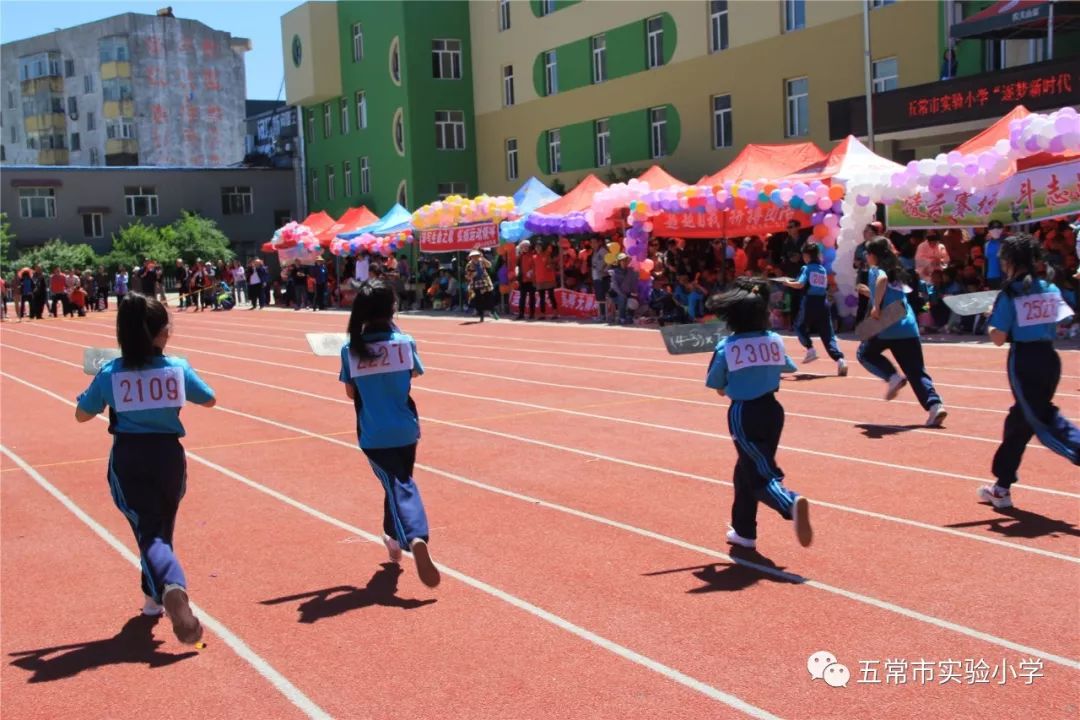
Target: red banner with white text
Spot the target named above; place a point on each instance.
(571, 304)
(457, 239)
(762, 220)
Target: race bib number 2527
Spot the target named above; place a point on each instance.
(386, 357)
(754, 352)
(1040, 309)
(153, 389)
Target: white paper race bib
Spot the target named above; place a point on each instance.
(1040, 309)
(819, 280)
(754, 352)
(386, 357)
(153, 389)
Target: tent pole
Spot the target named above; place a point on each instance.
(867, 76)
(1050, 33)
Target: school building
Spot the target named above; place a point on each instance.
(409, 101)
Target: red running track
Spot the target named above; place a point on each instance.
(577, 483)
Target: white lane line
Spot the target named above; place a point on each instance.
(628, 463)
(536, 611)
(260, 665)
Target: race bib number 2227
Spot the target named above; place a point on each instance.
(386, 357)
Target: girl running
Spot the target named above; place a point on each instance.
(1026, 314)
(814, 314)
(746, 367)
(377, 367)
(144, 391)
(901, 338)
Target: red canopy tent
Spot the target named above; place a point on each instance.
(757, 162)
(352, 219)
(657, 179)
(577, 200)
(844, 162)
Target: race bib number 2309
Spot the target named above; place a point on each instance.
(386, 357)
(754, 352)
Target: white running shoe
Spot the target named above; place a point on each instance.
(938, 413)
(735, 538)
(800, 519)
(393, 548)
(896, 382)
(811, 356)
(996, 496)
(841, 367)
(151, 608)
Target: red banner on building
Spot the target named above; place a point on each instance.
(762, 220)
(571, 304)
(456, 239)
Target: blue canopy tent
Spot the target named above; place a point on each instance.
(531, 195)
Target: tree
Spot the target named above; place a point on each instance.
(557, 186)
(6, 237)
(196, 237)
(57, 253)
(138, 242)
(624, 174)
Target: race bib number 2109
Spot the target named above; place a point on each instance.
(386, 357)
(148, 389)
(754, 352)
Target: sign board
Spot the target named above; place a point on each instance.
(458, 239)
(891, 314)
(571, 304)
(94, 358)
(972, 303)
(762, 220)
(327, 344)
(693, 337)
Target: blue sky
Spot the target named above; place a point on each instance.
(259, 20)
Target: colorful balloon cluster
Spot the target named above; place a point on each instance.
(383, 245)
(573, 223)
(456, 210)
(294, 234)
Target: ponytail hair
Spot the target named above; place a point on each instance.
(372, 310)
(881, 248)
(744, 307)
(139, 320)
(1023, 253)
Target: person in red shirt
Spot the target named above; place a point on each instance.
(544, 266)
(526, 276)
(58, 291)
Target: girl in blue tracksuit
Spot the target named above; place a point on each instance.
(144, 391)
(1026, 314)
(886, 287)
(814, 316)
(377, 366)
(746, 367)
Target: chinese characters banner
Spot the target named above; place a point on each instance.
(571, 304)
(1028, 196)
(456, 239)
(762, 220)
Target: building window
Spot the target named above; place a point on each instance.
(798, 107)
(120, 129)
(453, 188)
(880, 3)
(314, 187)
(76, 141)
(403, 194)
(718, 25)
(37, 202)
(395, 61)
(365, 175)
(3, 153)
(94, 159)
(504, 15)
(446, 59)
(116, 89)
(237, 200)
(91, 123)
(794, 15)
(603, 143)
(554, 143)
(450, 130)
(310, 125)
(551, 73)
(546, 7)
(722, 126)
(73, 107)
(655, 36)
(399, 132)
(88, 84)
(886, 75)
(361, 110)
(657, 132)
(141, 201)
(346, 174)
(344, 109)
(93, 225)
(599, 58)
(326, 120)
(357, 42)
(11, 98)
(113, 49)
(14, 134)
(69, 69)
(508, 86)
(331, 192)
(511, 159)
